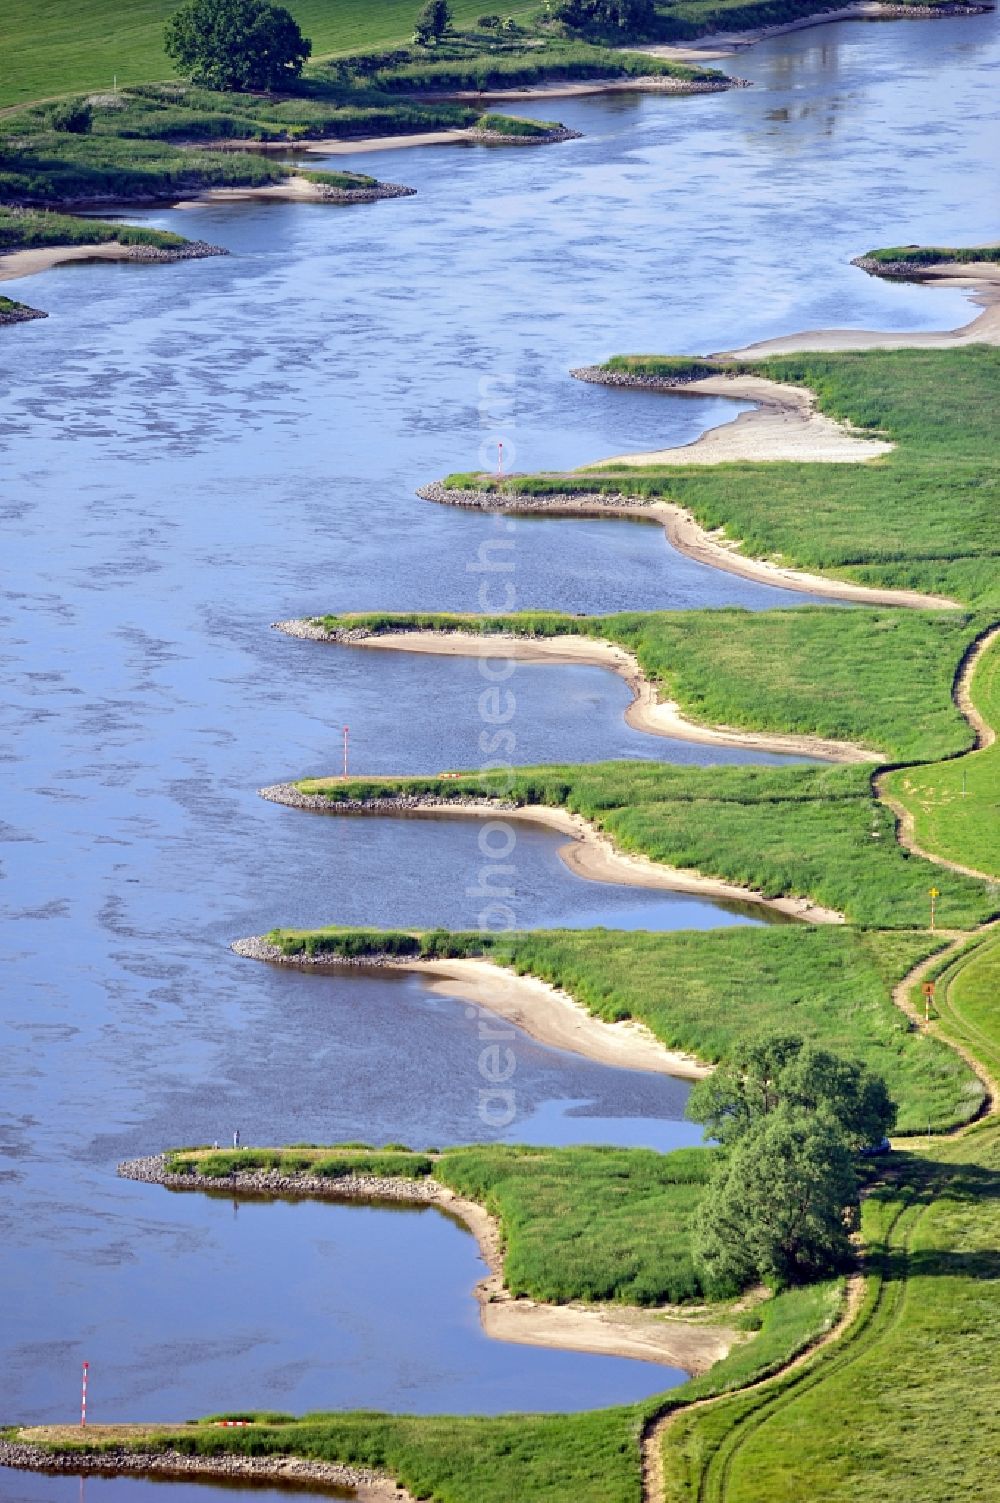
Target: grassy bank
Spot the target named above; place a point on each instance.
(844, 675)
(702, 991)
(955, 805)
(814, 833)
(28, 229)
(922, 517)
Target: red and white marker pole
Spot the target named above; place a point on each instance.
(83, 1397)
(347, 737)
(500, 457)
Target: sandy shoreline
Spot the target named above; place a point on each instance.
(647, 712)
(661, 1334)
(980, 279)
(297, 190)
(785, 425)
(26, 263)
(589, 853)
(547, 1013)
(686, 535)
(723, 44)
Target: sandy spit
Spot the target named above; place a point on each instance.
(722, 44)
(647, 712)
(785, 425)
(26, 1453)
(25, 263)
(569, 89)
(686, 535)
(547, 1013)
(981, 279)
(469, 136)
(665, 1334)
(298, 190)
(589, 853)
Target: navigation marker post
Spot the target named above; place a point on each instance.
(83, 1397)
(347, 737)
(934, 895)
(928, 991)
(500, 460)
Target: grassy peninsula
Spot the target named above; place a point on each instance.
(923, 517)
(850, 676)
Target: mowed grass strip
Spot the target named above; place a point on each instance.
(702, 991)
(925, 517)
(881, 678)
(907, 1408)
(955, 805)
(814, 833)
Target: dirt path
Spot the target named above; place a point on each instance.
(647, 712)
(651, 1440)
(985, 736)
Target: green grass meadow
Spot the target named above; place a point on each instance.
(955, 804)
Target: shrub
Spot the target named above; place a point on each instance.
(74, 116)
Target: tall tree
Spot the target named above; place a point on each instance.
(236, 44)
(765, 1074)
(432, 22)
(780, 1206)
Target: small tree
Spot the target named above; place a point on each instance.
(489, 23)
(74, 115)
(634, 16)
(432, 22)
(780, 1206)
(236, 44)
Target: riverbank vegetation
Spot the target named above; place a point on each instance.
(813, 670)
(922, 517)
(702, 991)
(816, 833)
(30, 229)
(13, 312)
(930, 255)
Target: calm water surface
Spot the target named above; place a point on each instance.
(190, 453)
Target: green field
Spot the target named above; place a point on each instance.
(844, 675)
(701, 992)
(955, 805)
(904, 1407)
(64, 46)
(813, 833)
(925, 517)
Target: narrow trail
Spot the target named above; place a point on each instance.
(985, 736)
(651, 1440)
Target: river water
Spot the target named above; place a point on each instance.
(192, 452)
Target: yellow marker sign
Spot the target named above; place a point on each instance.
(933, 892)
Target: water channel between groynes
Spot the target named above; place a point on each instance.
(192, 452)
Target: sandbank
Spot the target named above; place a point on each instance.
(589, 853)
(723, 44)
(785, 425)
(981, 279)
(647, 712)
(297, 190)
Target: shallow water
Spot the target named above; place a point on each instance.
(194, 451)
